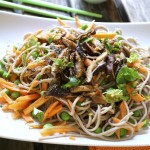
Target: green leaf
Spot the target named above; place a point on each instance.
(133, 56)
(24, 59)
(38, 114)
(114, 95)
(70, 64)
(72, 83)
(127, 75)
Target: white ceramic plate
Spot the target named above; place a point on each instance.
(12, 29)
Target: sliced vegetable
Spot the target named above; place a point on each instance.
(98, 130)
(6, 91)
(72, 83)
(48, 125)
(35, 55)
(105, 35)
(24, 55)
(65, 116)
(127, 75)
(114, 95)
(15, 95)
(137, 113)
(123, 132)
(16, 82)
(84, 26)
(38, 114)
(6, 75)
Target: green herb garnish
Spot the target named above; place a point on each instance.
(24, 59)
(32, 42)
(127, 75)
(133, 56)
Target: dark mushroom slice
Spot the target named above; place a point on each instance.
(110, 67)
(101, 67)
(68, 43)
(79, 66)
(57, 91)
(80, 50)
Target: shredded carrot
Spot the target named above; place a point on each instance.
(136, 97)
(11, 87)
(49, 109)
(71, 137)
(123, 110)
(27, 118)
(116, 120)
(104, 35)
(13, 77)
(28, 97)
(18, 61)
(87, 62)
(44, 86)
(6, 97)
(5, 107)
(61, 123)
(78, 24)
(55, 111)
(62, 23)
(16, 115)
(36, 64)
(139, 126)
(58, 129)
(137, 65)
(35, 104)
(17, 106)
(33, 84)
(2, 99)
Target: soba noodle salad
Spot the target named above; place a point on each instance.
(78, 82)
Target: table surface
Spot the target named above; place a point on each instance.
(112, 11)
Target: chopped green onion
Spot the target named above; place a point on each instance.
(39, 77)
(6, 91)
(24, 59)
(65, 116)
(62, 8)
(17, 81)
(123, 132)
(48, 125)
(1, 71)
(32, 42)
(87, 39)
(1, 64)
(79, 104)
(15, 95)
(98, 130)
(38, 114)
(133, 56)
(6, 75)
(50, 40)
(84, 26)
(146, 123)
(35, 55)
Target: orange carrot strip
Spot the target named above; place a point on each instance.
(104, 35)
(58, 129)
(6, 97)
(28, 97)
(136, 97)
(2, 99)
(35, 104)
(5, 107)
(49, 109)
(123, 110)
(19, 60)
(55, 111)
(44, 86)
(19, 105)
(27, 118)
(16, 115)
(139, 126)
(87, 62)
(11, 87)
(13, 77)
(36, 64)
(116, 120)
(33, 84)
